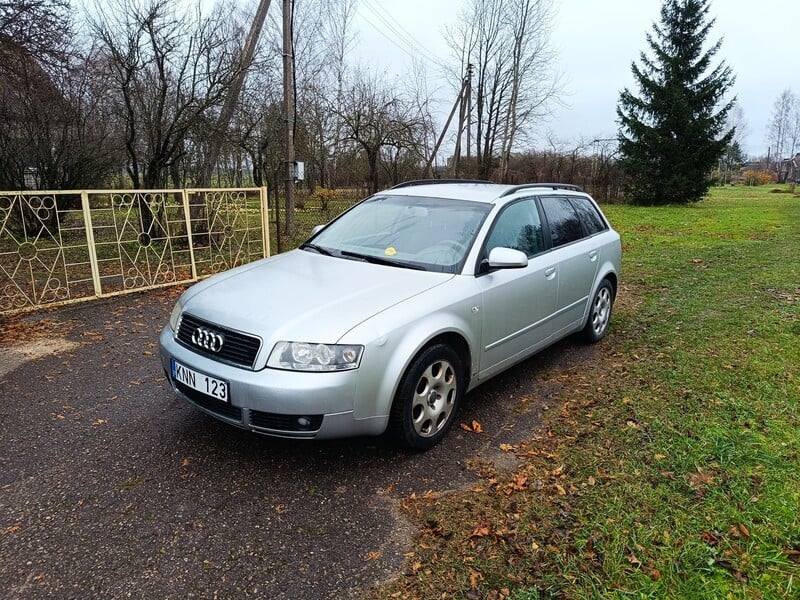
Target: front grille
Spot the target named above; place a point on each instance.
(239, 349)
(278, 422)
(218, 407)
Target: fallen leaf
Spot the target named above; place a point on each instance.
(520, 481)
(474, 578)
(186, 462)
(100, 422)
(700, 478)
(743, 530)
(633, 560)
(11, 529)
(371, 556)
(475, 427)
(507, 448)
(482, 530)
(709, 538)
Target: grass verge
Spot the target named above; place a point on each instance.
(672, 468)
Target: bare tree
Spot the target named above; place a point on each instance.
(42, 27)
(780, 127)
(172, 70)
(507, 41)
(321, 73)
(737, 122)
(54, 130)
(374, 119)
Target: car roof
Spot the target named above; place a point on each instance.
(476, 191)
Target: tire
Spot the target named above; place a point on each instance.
(599, 313)
(428, 398)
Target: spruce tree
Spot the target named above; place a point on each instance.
(672, 134)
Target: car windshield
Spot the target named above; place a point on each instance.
(433, 234)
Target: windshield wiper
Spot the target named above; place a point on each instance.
(320, 249)
(377, 260)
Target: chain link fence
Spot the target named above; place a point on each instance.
(312, 208)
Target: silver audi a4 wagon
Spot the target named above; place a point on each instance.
(391, 312)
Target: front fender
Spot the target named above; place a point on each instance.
(397, 336)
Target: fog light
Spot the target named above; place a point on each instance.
(304, 422)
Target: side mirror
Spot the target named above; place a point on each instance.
(316, 230)
(507, 258)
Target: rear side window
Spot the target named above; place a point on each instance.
(592, 222)
(565, 226)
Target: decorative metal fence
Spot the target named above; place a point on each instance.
(65, 246)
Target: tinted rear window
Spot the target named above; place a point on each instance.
(592, 222)
(565, 227)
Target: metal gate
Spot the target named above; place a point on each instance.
(65, 246)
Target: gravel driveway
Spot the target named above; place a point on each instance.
(112, 487)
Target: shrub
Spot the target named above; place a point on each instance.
(324, 196)
(761, 177)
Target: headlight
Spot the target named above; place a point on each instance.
(304, 356)
(174, 317)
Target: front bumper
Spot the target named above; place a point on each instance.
(275, 402)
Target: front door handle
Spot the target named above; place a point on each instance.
(549, 272)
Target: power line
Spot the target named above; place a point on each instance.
(408, 45)
(397, 29)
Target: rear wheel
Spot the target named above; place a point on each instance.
(599, 313)
(428, 397)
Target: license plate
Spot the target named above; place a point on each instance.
(216, 388)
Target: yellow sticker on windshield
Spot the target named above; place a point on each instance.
(390, 251)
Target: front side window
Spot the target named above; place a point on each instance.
(565, 227)
(519, 227)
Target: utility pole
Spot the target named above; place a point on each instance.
(288, 112)
(459, 103)
(427, 171)
(225, 114)
(463, 116)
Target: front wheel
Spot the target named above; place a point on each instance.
(599, 313)
(427, 398)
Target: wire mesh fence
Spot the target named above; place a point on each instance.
(311, 208)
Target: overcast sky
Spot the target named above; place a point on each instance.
(596, 41)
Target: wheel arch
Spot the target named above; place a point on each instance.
(416, 340)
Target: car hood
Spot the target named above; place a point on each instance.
(304, 296)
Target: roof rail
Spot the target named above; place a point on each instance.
(435, 181)
(552, 186)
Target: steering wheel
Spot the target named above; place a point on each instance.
(455, 247)
(454, 244)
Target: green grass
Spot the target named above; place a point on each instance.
(673, 468)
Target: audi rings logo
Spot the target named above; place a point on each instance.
(208, 340)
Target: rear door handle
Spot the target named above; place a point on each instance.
(593, 255)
